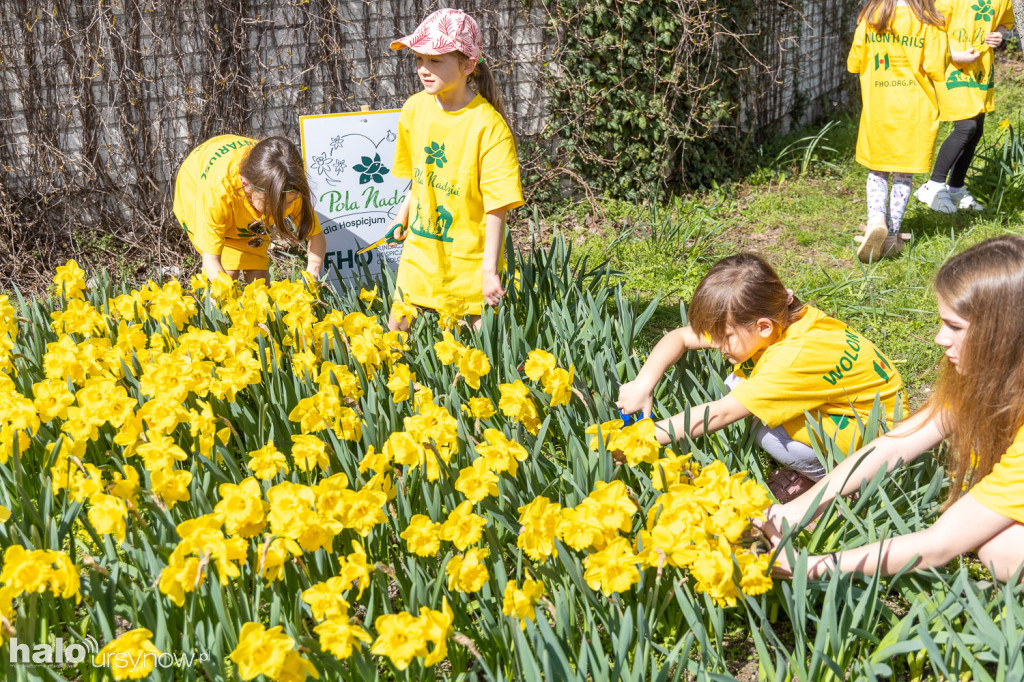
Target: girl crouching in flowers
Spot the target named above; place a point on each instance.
(233, 193)
(976, 407)
(789, 359)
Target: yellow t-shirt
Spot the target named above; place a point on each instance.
(1002, 490)
(462, 165)
(822, 367)
(899, 117)
(210, 204)
(967, 91)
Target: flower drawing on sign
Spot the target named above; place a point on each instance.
(435, 154)
(320, 164)
(370, 169)
(338, 159)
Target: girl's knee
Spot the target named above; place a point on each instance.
(792, 454)
(253, 275)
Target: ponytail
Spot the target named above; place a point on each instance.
(275, 166)
(482, 80)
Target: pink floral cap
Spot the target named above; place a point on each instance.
(444, 31)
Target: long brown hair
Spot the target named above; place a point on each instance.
(275, 165)
(980, 400)
(879, 13)
(738, 291)
(482, 81)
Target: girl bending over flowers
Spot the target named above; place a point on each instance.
(790, 359)
(976, 407)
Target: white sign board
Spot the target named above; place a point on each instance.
(348, 161)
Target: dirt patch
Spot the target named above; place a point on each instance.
(742, 659)
(745, 240)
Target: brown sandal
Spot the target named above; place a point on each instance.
(787, 484)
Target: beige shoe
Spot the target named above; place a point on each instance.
(870, 249)
(891, 247)
(893, 244)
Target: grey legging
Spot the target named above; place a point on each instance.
(790, 453)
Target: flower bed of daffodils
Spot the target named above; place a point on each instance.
(269, 478)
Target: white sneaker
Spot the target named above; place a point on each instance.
(936, 197)
(964, 200)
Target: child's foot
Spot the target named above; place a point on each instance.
(870, 249)
(963, 199)
(894, 243)
(936, 196)
(786, 484)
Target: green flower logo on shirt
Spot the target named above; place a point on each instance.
(256, 227)
(983, 10)
(370, 169)
(254, 232)
(435, 155)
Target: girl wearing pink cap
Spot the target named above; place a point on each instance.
(455, 145)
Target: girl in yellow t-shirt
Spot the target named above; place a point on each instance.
(455, 146)
(977, 407)
(899, 49)
(790, 360)
(233, 192)
(975, 28)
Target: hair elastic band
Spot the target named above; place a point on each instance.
(481, 60)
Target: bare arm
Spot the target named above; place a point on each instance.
(402, 217)
(968, 56)
(315, 250)
(638, 395)
(703, 419)
(961, 528)
(494, 231)
(915, 435)
(212, 265)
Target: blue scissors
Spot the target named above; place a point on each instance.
(628, 419)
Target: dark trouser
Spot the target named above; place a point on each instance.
(957, 152)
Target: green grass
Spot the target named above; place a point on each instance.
(804, 225)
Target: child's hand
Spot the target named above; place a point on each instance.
(397, 233)
(635, 397)
(311, 280)
(818, 566)
(969, 56)
(994, 39)
(772, 524)
(493, 291)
